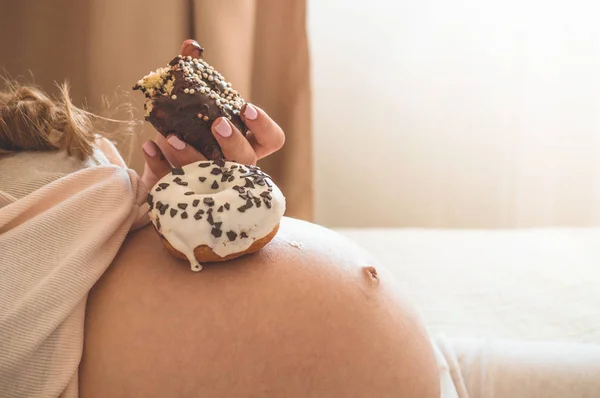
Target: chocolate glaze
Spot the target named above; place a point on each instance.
(180, 116)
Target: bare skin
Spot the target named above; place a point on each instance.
(263, 138)
(310, 315)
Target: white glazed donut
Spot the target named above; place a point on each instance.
(224, 206)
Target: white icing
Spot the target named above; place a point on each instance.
(187, 234)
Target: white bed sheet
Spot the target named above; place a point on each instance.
(530, 284)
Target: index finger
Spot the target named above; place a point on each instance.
(265, 135)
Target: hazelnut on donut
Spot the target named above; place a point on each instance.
(212, 211)
(186, 97)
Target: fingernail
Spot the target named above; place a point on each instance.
(149, 148)
(223, 128)
(176, 142)
(191, 47)
(250, 112)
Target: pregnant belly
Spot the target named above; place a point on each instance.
(309, 315)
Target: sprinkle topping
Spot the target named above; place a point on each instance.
(235, 208)
(209, 201)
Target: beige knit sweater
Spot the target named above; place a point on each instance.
(62, 222)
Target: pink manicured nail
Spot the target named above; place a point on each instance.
(223, 128)
(149, 148)
(176, 142)
(192, 48)
(250, 112)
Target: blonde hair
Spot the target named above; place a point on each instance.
(32, 121)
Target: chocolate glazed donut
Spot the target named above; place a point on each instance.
(185, 99)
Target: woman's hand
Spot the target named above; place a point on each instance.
(263, 138)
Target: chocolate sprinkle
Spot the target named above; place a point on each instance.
(162, 208)
(209, 201)
(231, 235)
(215, 185)
(268, 204)
(227, 206)
(195, 202)
(245, 207)
(163, 185)
(231, 178)
(188, 193)
(249, 183)
(202, 179)
(184, 215)
(220, 209)
(149, 199)
(238, 188)
(173, 212)
(158, 223)
(260, 181)
(209, 210)
(218, 225)
(210, 219)
(224, 177)
(265, 195)
(203, 165)
(177, 171)
(158, 189)
(243, 235)
(216, 232)
(215, 171)
(220, 162)
(182, 206)
(198, 216)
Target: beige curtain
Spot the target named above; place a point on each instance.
(476, 113)
(104, 46)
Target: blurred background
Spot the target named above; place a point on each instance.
(461, 114)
